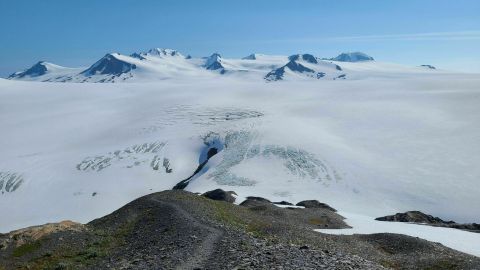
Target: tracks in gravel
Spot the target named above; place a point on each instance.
(207, 246)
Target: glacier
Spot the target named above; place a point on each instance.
(389, 138)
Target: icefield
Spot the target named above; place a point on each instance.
(387, 139)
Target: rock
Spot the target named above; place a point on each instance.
(419, 217)
(473, 227)
(315, 204)
(220, 195)
(283, 203)
(413, 216)
(259, 199)
(255, 201)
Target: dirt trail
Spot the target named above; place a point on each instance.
(206, 248)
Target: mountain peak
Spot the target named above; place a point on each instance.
(38, 69)
(253, 56)
(352, 57)
(163, 52)
(214, 62)
(305, 57)
(110, 64)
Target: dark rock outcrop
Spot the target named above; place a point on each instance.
(305, 57)
(109, 65)
(422, 218)
(315, 204)
(214, 62)
(255, 201)
(220, 195)
(277, 74)
(283, 203)
(414, 216)
(36, 70)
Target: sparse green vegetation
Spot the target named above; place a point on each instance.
(444, 265)
(26, 249)
(316, 221)
(224, 213)
(258, 229)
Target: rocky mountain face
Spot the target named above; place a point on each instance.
(37, 70)
(306, 66)
(178, 229)
(214, 62)
(110, 64)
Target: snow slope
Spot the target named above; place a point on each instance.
(457, 239)
(389, 140)
(43, 71)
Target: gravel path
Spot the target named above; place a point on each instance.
(207, 246)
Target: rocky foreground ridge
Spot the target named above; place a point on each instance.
(181, 230)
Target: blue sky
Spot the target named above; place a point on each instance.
(77, 33)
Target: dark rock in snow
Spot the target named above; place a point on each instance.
(315, 204)
(283, 203)
(413, 216)
(36, 70)
(305, 57)
(220, 195)
(138, 56)
(214, 62)
(110, 65)
(422, 218)
(255, 201)
(278, 73)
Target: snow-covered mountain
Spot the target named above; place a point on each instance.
(159, 64)
(43, 71)
(214, 62)
(306, 66)
(352, 57)
(110, 64)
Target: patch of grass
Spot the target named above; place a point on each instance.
(316, 221)
(443, 265)
(26, 248)
(258, 229)
(224, 213)
(98, 245)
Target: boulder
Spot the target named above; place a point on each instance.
(315, 204)
(414, 216)
(220, 195)
(255, 201)
(283, 203)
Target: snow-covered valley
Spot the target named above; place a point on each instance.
(387, 139)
